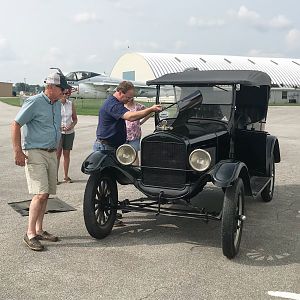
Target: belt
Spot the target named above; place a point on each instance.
(48, 150)
(104, 142)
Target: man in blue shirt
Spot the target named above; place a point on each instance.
(111, 129)
(40, 119)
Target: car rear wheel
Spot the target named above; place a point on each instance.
(232, 219)
(100, 205)
(268, 191)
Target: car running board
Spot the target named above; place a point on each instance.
(258, 183)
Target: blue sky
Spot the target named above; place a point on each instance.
(91, 35)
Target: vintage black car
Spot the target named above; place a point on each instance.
(211, 130)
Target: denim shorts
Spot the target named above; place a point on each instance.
(98, 146)
(136, 144)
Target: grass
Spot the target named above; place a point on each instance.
(91, 106)
(88, 107)
(15, 101)
(284, 104)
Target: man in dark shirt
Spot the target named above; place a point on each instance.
(111, 130)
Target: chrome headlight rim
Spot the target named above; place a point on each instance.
(131, 149)
(204, 168)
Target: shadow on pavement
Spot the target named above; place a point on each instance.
(269, 237)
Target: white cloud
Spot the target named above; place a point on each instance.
(179, 44)
(3, 42)
(6, 52)
(94, 58)
(257, 21)
(117, 44)
(53, 56)
(280, 22)
(86, 17)
(248, 15)
(205, 23)
(262, 53)
(293, 39)
(55, 52)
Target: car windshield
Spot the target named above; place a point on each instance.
(216, 103)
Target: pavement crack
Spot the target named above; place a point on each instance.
(153, 292)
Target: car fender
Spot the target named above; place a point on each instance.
(273, 147)
(105, 161)
(226, 172)
(97, 161)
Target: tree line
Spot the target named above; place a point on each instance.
(27, 88)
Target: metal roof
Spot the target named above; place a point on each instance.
(284, 72)
(249, 77)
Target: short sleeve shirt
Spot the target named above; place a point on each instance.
(40, 120)
(111, 127)
(134, 128)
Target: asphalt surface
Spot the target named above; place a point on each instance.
(152, 257)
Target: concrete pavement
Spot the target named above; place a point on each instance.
(152, 257)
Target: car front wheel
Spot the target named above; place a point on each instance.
(100, 205)
(232, 218)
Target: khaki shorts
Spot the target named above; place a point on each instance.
(41, 171)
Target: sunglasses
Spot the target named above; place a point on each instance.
(66, 94)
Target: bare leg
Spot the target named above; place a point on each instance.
(40, 219)
(58, 154)
(36, 212)
(66, 154)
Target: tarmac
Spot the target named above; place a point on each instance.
(152, 257)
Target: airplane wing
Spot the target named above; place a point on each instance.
(108, 87)
(140, 90)
(96, 85)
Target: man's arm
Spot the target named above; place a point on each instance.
(146, 118)
(16, 141)
(137, 115)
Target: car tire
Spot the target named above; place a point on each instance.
(268, 191)
(100, 205)
(232, 223)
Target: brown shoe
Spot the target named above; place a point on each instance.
(67, 180)
(46, 236)
(33, 243)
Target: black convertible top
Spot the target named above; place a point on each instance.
(192, 77)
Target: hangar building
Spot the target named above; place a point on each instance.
(5, 89)
(284, 72)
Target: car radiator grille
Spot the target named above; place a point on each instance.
(164, 163)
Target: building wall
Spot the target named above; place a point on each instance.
(5, 89)
(132, 62)
(283, 96)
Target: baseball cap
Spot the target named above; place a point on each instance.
(58, 80)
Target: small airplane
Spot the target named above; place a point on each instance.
(90, 85)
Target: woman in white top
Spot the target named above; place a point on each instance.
(68, 122)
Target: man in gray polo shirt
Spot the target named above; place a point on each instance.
(40, 119)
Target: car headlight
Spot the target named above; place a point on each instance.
(200, 160)
(126, 154)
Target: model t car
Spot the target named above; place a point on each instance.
(210, 131)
